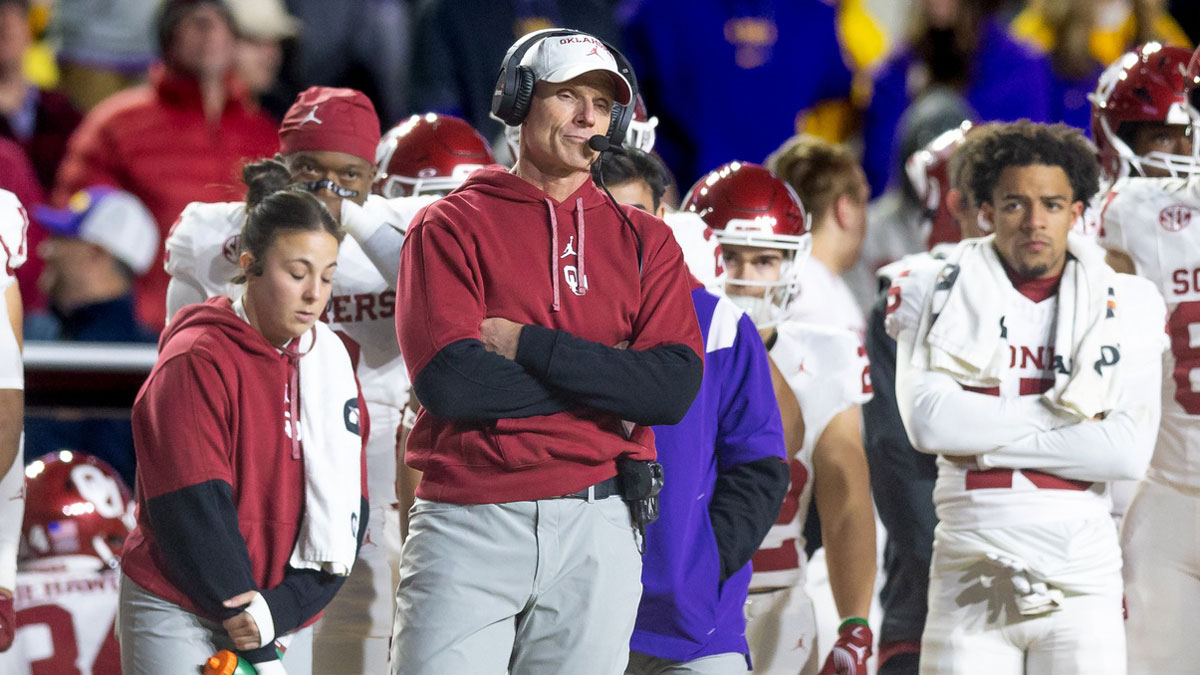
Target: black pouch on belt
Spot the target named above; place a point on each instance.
(641, 481)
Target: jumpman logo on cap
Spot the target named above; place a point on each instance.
(595, 52)
(311, 117)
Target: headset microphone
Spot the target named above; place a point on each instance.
(601, 144)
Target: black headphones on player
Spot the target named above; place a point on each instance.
(514, 84)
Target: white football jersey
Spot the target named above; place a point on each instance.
(66, 609)
(1150, 219)
(701, 250)
(827, 370)
(14, 224)
(970, 498)
(826, 300)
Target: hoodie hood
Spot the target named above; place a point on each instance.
(218, 313)
(501, 184)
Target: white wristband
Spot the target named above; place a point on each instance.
(261, 613)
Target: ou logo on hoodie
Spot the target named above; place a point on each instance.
(579, 286)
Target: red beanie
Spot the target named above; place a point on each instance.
(331, 119)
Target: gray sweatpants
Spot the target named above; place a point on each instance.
(548, 586)
(157, 637)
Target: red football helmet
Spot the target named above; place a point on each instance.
(928, 171)
(1150, 84)
(75, 504)
(428, 153)
(747, 205)
(641, 134)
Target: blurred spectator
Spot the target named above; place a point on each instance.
(832, 186)
(454, 62)
(40, 121)
(18, 177)
(104, 46)
(1187, 13)
(897, 222)
(962, 45)
(1082, 37)
(262, 27)
(97, 246)
(177, 140)
(729, 81)
(360, 44)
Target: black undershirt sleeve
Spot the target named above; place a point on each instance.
(647, 387)
(304, 592)
(465, 381)
(745, 503)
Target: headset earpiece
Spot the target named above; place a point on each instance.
(522, 96)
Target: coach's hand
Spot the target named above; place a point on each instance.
(8, 620)
(242, 628)
(500, 336)
(851, 651)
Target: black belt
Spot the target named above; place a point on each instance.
(602, 490)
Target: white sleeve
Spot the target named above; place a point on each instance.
(12, 368)
(1112, 231)
(182, 291)
(942, 418)
(379, 226)
(12, 511)
(1119, 446)
(14, 226)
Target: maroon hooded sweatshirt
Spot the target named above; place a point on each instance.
(582, 280)
(220, 486)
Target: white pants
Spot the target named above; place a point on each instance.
(781, 627)
(159, 637)
(1161, 543)
(548, 586)
(353, 635)
(974, 628)
(717, 664)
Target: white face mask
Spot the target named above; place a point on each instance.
(763, 312)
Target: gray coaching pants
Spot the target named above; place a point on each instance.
(159, 637)
(534, 587)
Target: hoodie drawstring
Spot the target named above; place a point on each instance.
(583, 284)
(292, 353)
(553, 254)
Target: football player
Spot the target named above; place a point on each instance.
(14, 223)
(1021, 407)
(77, 516)
(821, 377)
(418, 161)
(1147, 223)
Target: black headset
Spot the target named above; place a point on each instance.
(514, 84)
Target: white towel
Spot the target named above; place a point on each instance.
(329, 433)
(960, 325)
(329, 430)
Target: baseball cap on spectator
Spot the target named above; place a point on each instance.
(109, 218)
(559, 58)
(173, 11)
(331, 119)
(263, 19)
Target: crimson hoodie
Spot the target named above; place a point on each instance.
(220, 494)
(492, 430)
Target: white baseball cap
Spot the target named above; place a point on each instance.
(109, 218)
(558, 58)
